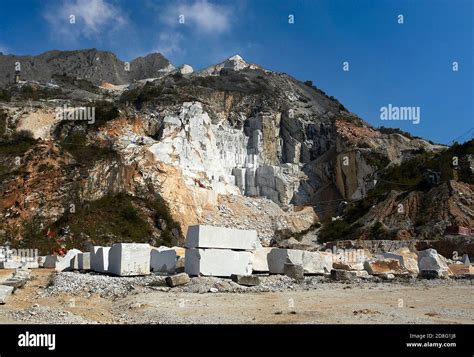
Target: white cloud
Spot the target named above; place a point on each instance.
(3, 49)
(201, 15)
(169, 43)
(93, 18)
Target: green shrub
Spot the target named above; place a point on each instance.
(334, 230)
(5, 95)
(113, 218)
(86, 154)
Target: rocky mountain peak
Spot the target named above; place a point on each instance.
(91, 64)
(234, 63)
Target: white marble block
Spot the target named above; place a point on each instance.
(100, 259)
(217, 262)
(84, 261)
(163, 260)
(260, 259)
(50, 261)
(129, 259)
(312, 262)
(65, 262)
(202, 236)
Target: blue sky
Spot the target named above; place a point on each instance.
(407, 64)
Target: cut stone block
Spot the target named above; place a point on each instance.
(260, 259)
(312, 262)
(30, 265)
(430, 263)
(50, 261)
(278, 257)
(202, 236)
(15, 283)
(407, 260)
(163, 260)
(246, 280)
(22, 273)
(317, 262)
(84, 261)
(178, 279)
(294, 271)
(129, 259)
(100, 259)
(383, 266)
(10, 264)
(218, 262)
(65, 262)
(74, 264)
(5, 292)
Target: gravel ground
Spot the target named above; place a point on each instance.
(83, 298)
(45, 314)
(86, 284)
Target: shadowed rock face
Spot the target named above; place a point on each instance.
(91, 64)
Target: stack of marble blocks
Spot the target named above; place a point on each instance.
(219, 251)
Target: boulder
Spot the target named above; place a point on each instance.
(294, 271)
(202, 236)
(178, 279)
(383, 266)
(5, 292)
(100, 259)
(246, 280)
(408, 260)
(312, 262)
(218, 262)
(432, 265)
(65, 262)
(163, 260)
(348, 266)
(461, 269)
(186, 69)
(465, 259)
(348, 275)
(129, 259)
(260, 259)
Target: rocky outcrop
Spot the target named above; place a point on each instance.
(91, 64)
